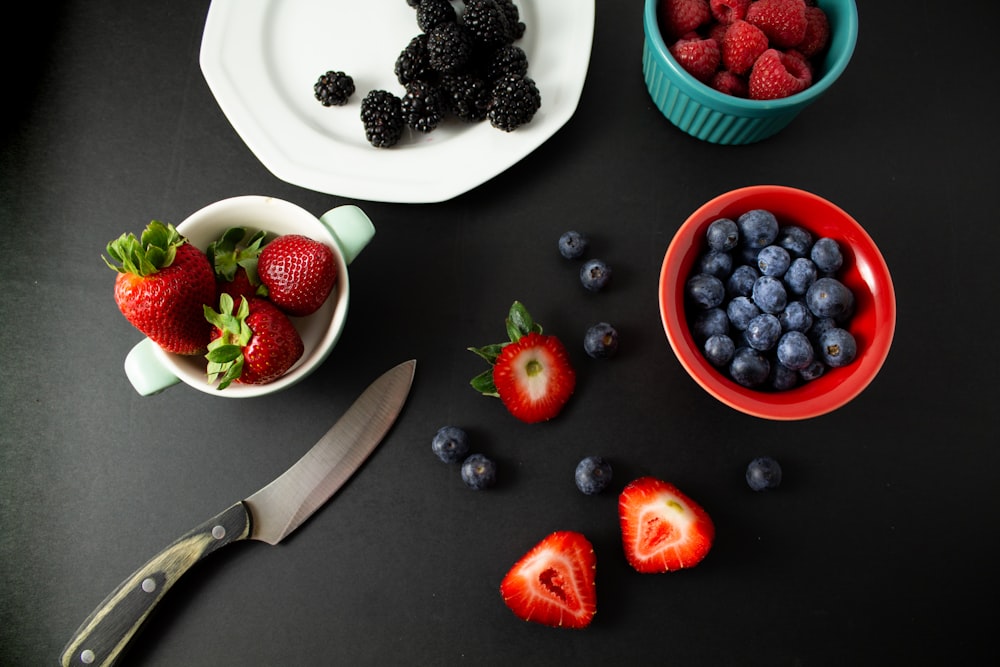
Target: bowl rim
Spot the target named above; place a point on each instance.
(811, 399)
(845, 37)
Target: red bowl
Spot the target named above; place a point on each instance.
(864, 272)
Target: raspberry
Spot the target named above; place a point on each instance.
(680, 17)
(776, 75)
(741, 46)
(783, 21)
(726, 82)
(727, 11)
(817, 33)
(700, 57)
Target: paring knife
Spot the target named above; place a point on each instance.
(268, 515)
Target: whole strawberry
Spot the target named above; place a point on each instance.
(254, 344)
(233, 257)
(162, 284)
(298, 272)
(531, 374)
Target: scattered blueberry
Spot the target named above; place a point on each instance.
(601, 341)
(479, 472)
(763, 473)
(758, 228)
(722, 235)
(572, 245)
(593, 474)
(826, 255)
(595, 275)
(837, 347)
(450, 443)
(705, 291)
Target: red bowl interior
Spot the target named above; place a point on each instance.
(864, 272)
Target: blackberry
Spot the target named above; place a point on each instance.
(465, 96)
(432, 12)
(333, 88)
(422, 106)
(515, 101)
(449, 47)
(514, 22)
(382, 115)
(413, 63)
(487, 22)
(506, 60)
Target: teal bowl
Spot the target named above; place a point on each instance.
(718, 118)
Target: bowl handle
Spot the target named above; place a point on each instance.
(351, 228)
(146, 371)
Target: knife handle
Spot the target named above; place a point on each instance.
(102, 638)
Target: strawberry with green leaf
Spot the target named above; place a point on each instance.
(255, 343)
(531, 373)
(234, 259)
(163, 282)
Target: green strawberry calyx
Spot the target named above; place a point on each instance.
(236, 248)
(225, 353)
(154, 250)
(519, 323)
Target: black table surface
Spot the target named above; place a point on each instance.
(877, 549)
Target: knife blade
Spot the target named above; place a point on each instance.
(269, 515)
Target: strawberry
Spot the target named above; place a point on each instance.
(679, 17)
(162, 283)
(777, 74)
(727, 11)
(699, 57)
(553, 584)
(741, 46)
(817, 33)
(783, 21)
(234, 259)
(255, 344)
(298, 272)
(662, 529)
(531, 374)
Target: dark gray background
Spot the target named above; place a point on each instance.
(878, 548)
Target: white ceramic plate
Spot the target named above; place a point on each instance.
(262, 57)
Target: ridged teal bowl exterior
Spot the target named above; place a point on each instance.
(712, 116)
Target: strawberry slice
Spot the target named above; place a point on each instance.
(662, 529)
(553, 584)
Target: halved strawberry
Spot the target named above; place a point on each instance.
(662, 529)
(531, 374)
(553, 584)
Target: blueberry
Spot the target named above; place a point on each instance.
(769, 294)
(718, 264)
(572, 245)
(826, 255)
(819, 326)
(593, 474)
(796, 240)
(814, 370)
(479, 472)
(719, 350)
(710, 322)
(800, 275)
(722, 235)
(740, 311)
(746, 255)
(601, 341)
(758, 228)
(828, 297)
(795, 351)
(749, 367)
(595, 275)
(763, 332)
(705, 291)
(450, 443)
(782, 377)
(837, 347)
(795, 317)
(740, 282)
(773, 261)
(763, 473)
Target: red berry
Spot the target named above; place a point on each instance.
(298, 272)
(534, 378)
(741, 46)
(727, 11)
(700, 57)
(776, 75)
(817, 33)
(783, 21)
(726, 82)
(679, 17)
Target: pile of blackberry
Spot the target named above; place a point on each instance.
(463, 64)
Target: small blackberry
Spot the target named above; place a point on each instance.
(514, 103)
(382, 115)
(333, 88)
(413, 64)
(432, 12)
(466, 96)
(449, 47)
(506, 60)
(422, 106)
(487, 22)
(514, 21)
